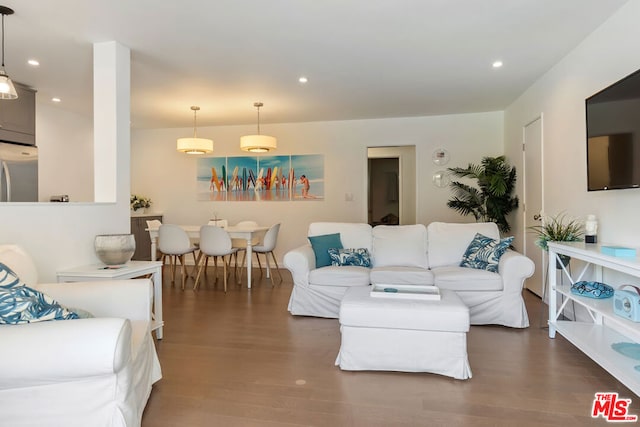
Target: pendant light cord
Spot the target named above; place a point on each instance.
(3, 41)
(258, 107)
(194, 123)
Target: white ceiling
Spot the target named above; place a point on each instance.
(363, 58)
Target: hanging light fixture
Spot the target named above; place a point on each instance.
(195, 145)
(7, 89)
(258, 143)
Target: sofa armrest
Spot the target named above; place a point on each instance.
(62, 350)
(514, 268)
(128, 299)
(300, 261)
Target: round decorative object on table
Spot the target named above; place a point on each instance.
(115, 249)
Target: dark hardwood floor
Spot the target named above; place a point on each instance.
(241, 359)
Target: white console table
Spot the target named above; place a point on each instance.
(595, 338)
(130, 270)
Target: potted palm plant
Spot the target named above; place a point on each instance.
(492, 199)
(558, 228)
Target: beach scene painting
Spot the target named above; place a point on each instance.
(210, 178)
(307, 176)
(273, 178)
(242, 178)
(264, 178)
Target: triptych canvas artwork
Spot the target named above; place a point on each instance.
(278, 178)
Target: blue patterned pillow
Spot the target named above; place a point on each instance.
(8, 279)
(359, 257)
(21, 304)
(484, 253)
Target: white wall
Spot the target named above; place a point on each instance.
(169, 178)
(60, 235)
(65, 149)
(607, 55)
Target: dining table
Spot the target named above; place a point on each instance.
(249, 233)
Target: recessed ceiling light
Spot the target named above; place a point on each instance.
(56, 99)
(303, 79)
(497, 64)
(33, 62)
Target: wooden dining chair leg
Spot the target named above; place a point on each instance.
(196, 261)
(235, 267)
(203, 265)
(224, 272)
(259, 263)
(184, 270)
(172, 268)
(275, 262)
(244, 255)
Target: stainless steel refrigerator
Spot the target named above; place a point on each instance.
(18, 173)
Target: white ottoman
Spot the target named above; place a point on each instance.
(410, 335)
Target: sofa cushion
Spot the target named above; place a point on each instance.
(484, 253)
(449, 314)
(21, 304)
(20, 262)
(401, 276)
(352, 235)
(457, 278)
(400, 245)
(358, 256)
(321, 245)
(448, 241)
(339, 276)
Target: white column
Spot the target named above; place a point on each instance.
(111, 123)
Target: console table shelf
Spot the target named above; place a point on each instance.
(595, 338)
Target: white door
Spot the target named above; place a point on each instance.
(533, 196)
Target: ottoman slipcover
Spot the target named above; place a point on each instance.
(410, 335)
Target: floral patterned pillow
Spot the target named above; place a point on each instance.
(484, 253)
(359, 257)
(21, 304)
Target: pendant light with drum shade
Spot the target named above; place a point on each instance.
(258, 143)
(7, 89)
(195, 145)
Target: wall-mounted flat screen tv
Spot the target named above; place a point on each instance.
(613, 136)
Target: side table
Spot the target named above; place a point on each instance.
(130, 270)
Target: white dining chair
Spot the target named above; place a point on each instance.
(174, 242)
(215, 242)
(266, 248)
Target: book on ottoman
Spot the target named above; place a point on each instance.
(427, 292)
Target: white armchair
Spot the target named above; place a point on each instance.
(86, 372)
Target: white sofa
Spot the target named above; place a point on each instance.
(85, 372)
(412, 254)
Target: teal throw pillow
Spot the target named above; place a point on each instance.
(21, 304)
(483, 253)
(322, 244)
(359, 257)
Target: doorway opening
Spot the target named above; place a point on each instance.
(391, 185)
(384, 191)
